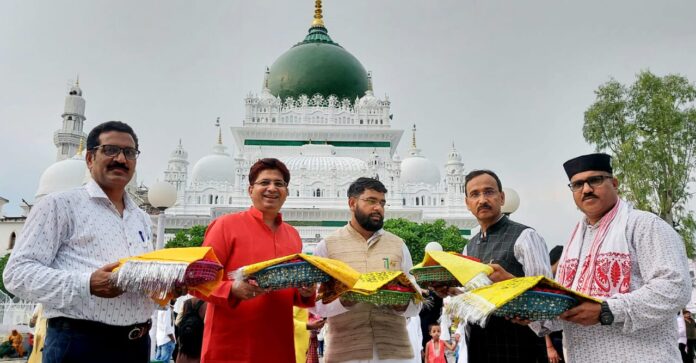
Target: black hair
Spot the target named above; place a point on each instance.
(474, 173)
(361, 184)
(93, 137)
(555, 254)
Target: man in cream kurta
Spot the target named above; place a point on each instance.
(633, 261)
(363, 332)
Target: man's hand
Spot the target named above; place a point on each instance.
(499, 273)
(316, 325)
(101, 283)
(307, 291)
(243, 290)
(444, 291)
(345, 303)
(586, 313)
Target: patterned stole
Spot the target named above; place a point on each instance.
(606, 271)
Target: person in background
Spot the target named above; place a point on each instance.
(554, 341)
(435, 348)
(164, 338)
(690, 332)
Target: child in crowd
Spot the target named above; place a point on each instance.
(435, 349)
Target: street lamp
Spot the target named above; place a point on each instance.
(512, 201)
(161, 195)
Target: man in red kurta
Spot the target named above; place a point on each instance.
(244, 323)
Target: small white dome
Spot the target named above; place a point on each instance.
(417, 169)
(217, 167)
(63, 175)
(368, 101)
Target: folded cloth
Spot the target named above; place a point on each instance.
(343, 276)
(373, 282)
(476, 306)
(470, 274)
(159, 273)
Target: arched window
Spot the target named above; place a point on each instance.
(210, 199)
(318, 192)
(404, 201)
(216, 199)
(13, 237)
(230, 200)
(417, 201)
(422, 200)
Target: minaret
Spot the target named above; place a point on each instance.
(455, 177)
(67, 138)
(177, 169)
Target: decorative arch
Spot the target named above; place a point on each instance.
(13, 238)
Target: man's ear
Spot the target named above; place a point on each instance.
(351, 202)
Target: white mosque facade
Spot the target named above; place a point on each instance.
(317, 113)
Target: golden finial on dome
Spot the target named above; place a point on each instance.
(318, 18)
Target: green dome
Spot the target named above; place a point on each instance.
(317, 65)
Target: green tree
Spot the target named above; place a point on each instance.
(3, 263)
(649, 128)
(191, 237)
(417, 235)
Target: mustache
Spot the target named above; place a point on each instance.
(587, 196)
(483, 206)
(117, 165)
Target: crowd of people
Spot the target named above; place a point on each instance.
(630, 260)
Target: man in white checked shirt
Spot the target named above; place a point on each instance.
(71, 242)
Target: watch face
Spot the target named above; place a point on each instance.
(606, 317)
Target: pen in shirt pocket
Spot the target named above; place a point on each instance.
(142, 237)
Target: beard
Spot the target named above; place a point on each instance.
(366, 221)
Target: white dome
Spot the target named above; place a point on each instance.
(417, 169)
(322, 158)
(63, 175)
(214, 168)
(324, 164)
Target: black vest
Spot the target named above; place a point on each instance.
(499, 245)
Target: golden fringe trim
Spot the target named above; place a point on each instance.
(156, 278)
(470, 308)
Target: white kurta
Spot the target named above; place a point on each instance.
(644, 328)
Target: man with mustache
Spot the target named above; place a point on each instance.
(633, 261)
(243, 322)
(363, 332)
(70, 244)
(513, 250)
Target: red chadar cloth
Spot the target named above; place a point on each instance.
(259, 329)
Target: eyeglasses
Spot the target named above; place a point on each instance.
(112, 151)
(488, 193)
(373, 202)
(593, 181)
(276, 183)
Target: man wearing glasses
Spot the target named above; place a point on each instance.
(363, 332)
(633, 261)
(513, 250)
(68, 249)
(245, 323)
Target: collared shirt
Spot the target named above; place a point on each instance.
(67, 236)
(644, 327)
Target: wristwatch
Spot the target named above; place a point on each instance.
(605, 315)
